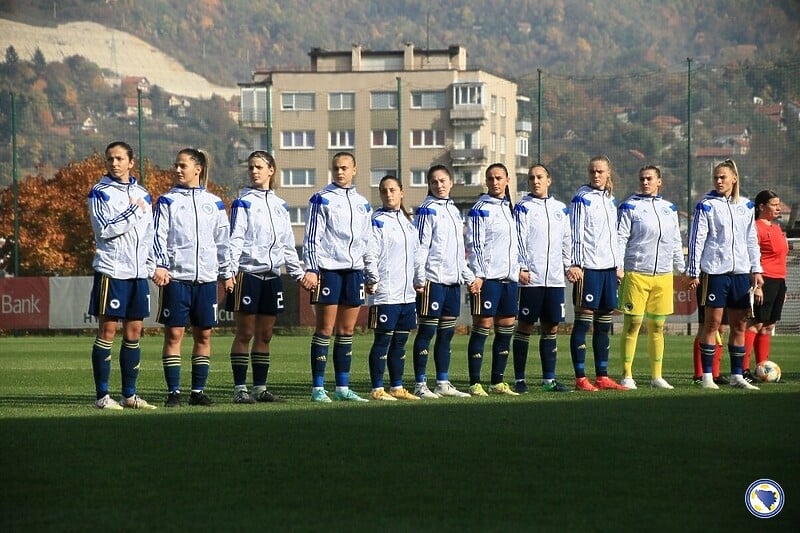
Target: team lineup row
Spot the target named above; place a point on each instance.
(514, 260)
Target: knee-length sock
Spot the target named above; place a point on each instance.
(200, 367)
(577, 343)
(548, 353)
(600, 343)
(441, 348)
(342, 357)
(239, 365)
(397, 358)
(655, 344)
(631, 324)
(500, 348)
(260, 361)
(130, 355)
(172, 372)
(319, 358)
(422, 343)
(475, 347)
(377, 356)
(101, 366)
(519, 349)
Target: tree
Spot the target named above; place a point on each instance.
(55, 235)
(39, 62)
(12, 57)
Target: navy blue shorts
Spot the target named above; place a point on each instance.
(725, 290)
(339, 287)
(127, 299)
(393, 317)
(497, 298)
(438, 300)
(597, 291)
(545, 304)
(181, 303)
(256, 294)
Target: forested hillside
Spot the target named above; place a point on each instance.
(225, 41)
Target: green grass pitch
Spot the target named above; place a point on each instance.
(644, 460)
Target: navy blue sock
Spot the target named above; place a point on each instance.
(707, 357)
(600, 344)
(520, 349)
(737, 358)
(500, 349)
(239, 365)
(475, 346)
(422, 343)
(101, 366)
(377, 356)
(577, 344)
(548, 353)
(172, 372)
(260, 361)
(342, 355)
(200, 367)
(397, 358)
(130, 354)
(441, 348)
(319, 358)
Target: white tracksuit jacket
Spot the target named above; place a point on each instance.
(545, 238)
(649, 235)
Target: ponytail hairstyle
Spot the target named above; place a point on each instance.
(657, 171)
(729, 164)
(269, 160)
(433, 169)
(763, 198)
(399, 184)
(502, 167)
(202, 158)
(609, 184)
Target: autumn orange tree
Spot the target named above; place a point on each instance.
(55, 236)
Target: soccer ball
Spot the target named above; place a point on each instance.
(768, 372)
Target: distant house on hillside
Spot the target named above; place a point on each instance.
(178, 106)
(665, 124)
(774, 112)
(731, 135)
(132, 107)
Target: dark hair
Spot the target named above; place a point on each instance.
(202, 158)
(120, 144)
(508, 191)
(536, 165)
(763, 198)
(610, 184)
(344, 154)
(436, 168)
(654, 168)
(399, 184)
(268, 159)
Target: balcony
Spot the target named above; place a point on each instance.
(253, 119)
(469, 156)
(468, 115)
(524, 125)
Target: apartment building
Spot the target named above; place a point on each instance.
(398, 112)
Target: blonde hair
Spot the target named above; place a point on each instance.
(609, 188)
(729, 164)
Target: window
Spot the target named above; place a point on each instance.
(383, 100)
(376, 174)
(341, 101)
(494, 103)
(297, 101)
(502, 145)
(298, 140)
(465, 177)
(262, 142)
(253, 104)
(493, 142)
(419, 178)
(522, 146)
(502, 106)
(427, 138)
(298, 215)
(467, 94)
(340, 139)
(298, 177)
(428, 100)
(384, 138)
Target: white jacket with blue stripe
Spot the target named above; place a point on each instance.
(723, 238)
(441, 243)
(397, 244)
(593, 219)
(492, 242)
(123, 232)
(545, 239)
(192, 240)
(649, 235)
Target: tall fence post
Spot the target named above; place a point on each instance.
(15, 181)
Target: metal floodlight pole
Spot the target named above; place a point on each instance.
(539, 116)
(15, 181)
(141, 146)
(689, 146)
